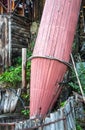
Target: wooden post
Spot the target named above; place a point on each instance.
(1, 9)
(23, 68)
(10, 44)
(12, 5)
(8, 8)
(6, 45)
(77, 76)
(35, 9)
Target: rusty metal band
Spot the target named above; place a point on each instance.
(51, 58)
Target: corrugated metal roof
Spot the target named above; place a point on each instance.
(54, 40)
(62, 119)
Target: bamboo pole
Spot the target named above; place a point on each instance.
(78, 78)
(23, 68)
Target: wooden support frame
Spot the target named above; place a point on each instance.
(2, 8)
(11, 6)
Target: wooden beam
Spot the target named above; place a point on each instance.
(13, 5)
(8, 7)
(1, 10)
(2, 5)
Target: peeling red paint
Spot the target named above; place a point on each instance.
(55, 38)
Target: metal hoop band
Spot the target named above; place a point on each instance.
(51, 58)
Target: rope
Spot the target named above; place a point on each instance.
(80, 86)
(50, 58)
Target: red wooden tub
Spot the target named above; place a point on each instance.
(51, 53)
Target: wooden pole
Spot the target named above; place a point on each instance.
(80, 86)
(10, 44)
(12, 5)
(23, 68)
(8, 8)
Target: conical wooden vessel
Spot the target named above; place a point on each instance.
(51, 53)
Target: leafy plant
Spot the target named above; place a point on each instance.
(25, 98)
(12, 75)
(25, 112)
(62, 104)
(28, 66)
(78, 127)
(81, 73)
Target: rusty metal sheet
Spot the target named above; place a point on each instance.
(54, 40)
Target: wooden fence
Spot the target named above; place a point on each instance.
(63, 119)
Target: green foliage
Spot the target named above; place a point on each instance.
(25, 98)
(62, 104)
(81, 73)
(18, 61)
(12, 75)
(25, 112)
(78, 127)
(28, 71)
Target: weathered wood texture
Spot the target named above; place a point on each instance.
(24, 68)
(13, 38)
(8, 100)
(81, 32)
(38, 6)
